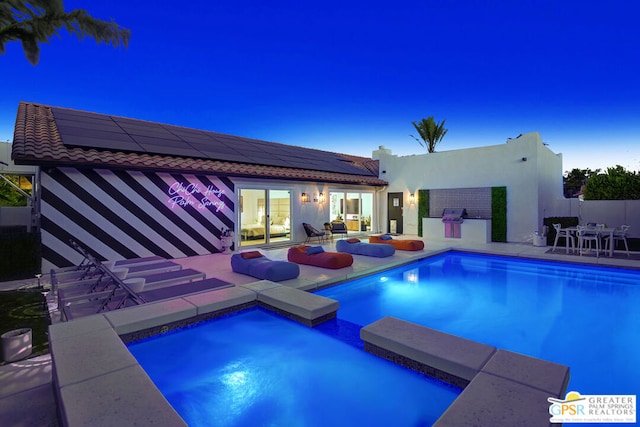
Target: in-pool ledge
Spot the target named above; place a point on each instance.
(501, 387)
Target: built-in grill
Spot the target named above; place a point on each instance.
(452, 218)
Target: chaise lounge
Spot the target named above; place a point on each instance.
(255, 264)
(356, 247)
(316, 256)
(402, 245)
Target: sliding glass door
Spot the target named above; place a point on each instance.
(355, 209)
(265, 216)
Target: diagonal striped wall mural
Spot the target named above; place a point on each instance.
(128, 214)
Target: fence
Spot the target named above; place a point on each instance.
(20, 254)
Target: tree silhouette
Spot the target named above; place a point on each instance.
(574, 180)
(430, 132)
(36, 21)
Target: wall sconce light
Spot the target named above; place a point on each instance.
(524, 159)
(321, 197)
(412, 199)
(304, 198)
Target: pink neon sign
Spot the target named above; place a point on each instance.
(183, 195)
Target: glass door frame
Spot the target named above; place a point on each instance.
(270, 217)
(342, 202)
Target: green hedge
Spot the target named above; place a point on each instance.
(564, 221)
(423, 208)
(499, 214)
(20, 255)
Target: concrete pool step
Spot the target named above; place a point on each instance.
(306, 308)
(444, 356)
(511, 388)
(501, 387)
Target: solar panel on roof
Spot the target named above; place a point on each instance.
(229, 157)
(92, 123)
(78, 115)
(159, 141)
(163, 149)
(99, 131)
(91, 133)
(97, 143)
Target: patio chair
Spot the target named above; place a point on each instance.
(338, 227)
(566, 234)
(618, 235)
(312, 232)
(588, 235)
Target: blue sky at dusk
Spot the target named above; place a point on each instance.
(349, 76)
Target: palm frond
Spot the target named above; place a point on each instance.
(430, 132)
(36, 21)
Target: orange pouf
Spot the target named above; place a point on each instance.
(334, 260)
(402, 245)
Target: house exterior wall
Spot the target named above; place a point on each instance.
(530, 183)
(550, 183)
(126, 214)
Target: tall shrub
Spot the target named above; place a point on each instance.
(423, 208)
(616, 184)
(499, 214)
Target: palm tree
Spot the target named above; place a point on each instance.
(430, 132)
(36, 21)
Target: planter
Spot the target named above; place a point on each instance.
(539, 240)
(16, 344)
(227, 242)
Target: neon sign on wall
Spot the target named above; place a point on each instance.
(185, 195)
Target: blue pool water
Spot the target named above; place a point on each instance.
(581, 316)
(255, 368)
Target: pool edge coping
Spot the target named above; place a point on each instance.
(63, 409)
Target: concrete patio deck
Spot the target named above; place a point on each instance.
(26, 392)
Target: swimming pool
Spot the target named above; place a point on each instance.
(257, 368)
(582, 316)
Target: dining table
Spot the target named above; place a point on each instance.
(600, 231)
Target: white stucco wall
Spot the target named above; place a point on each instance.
(550, 182)
(531, 184)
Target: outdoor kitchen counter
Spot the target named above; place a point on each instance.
(472, 230)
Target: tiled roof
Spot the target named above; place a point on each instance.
(38, 141)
